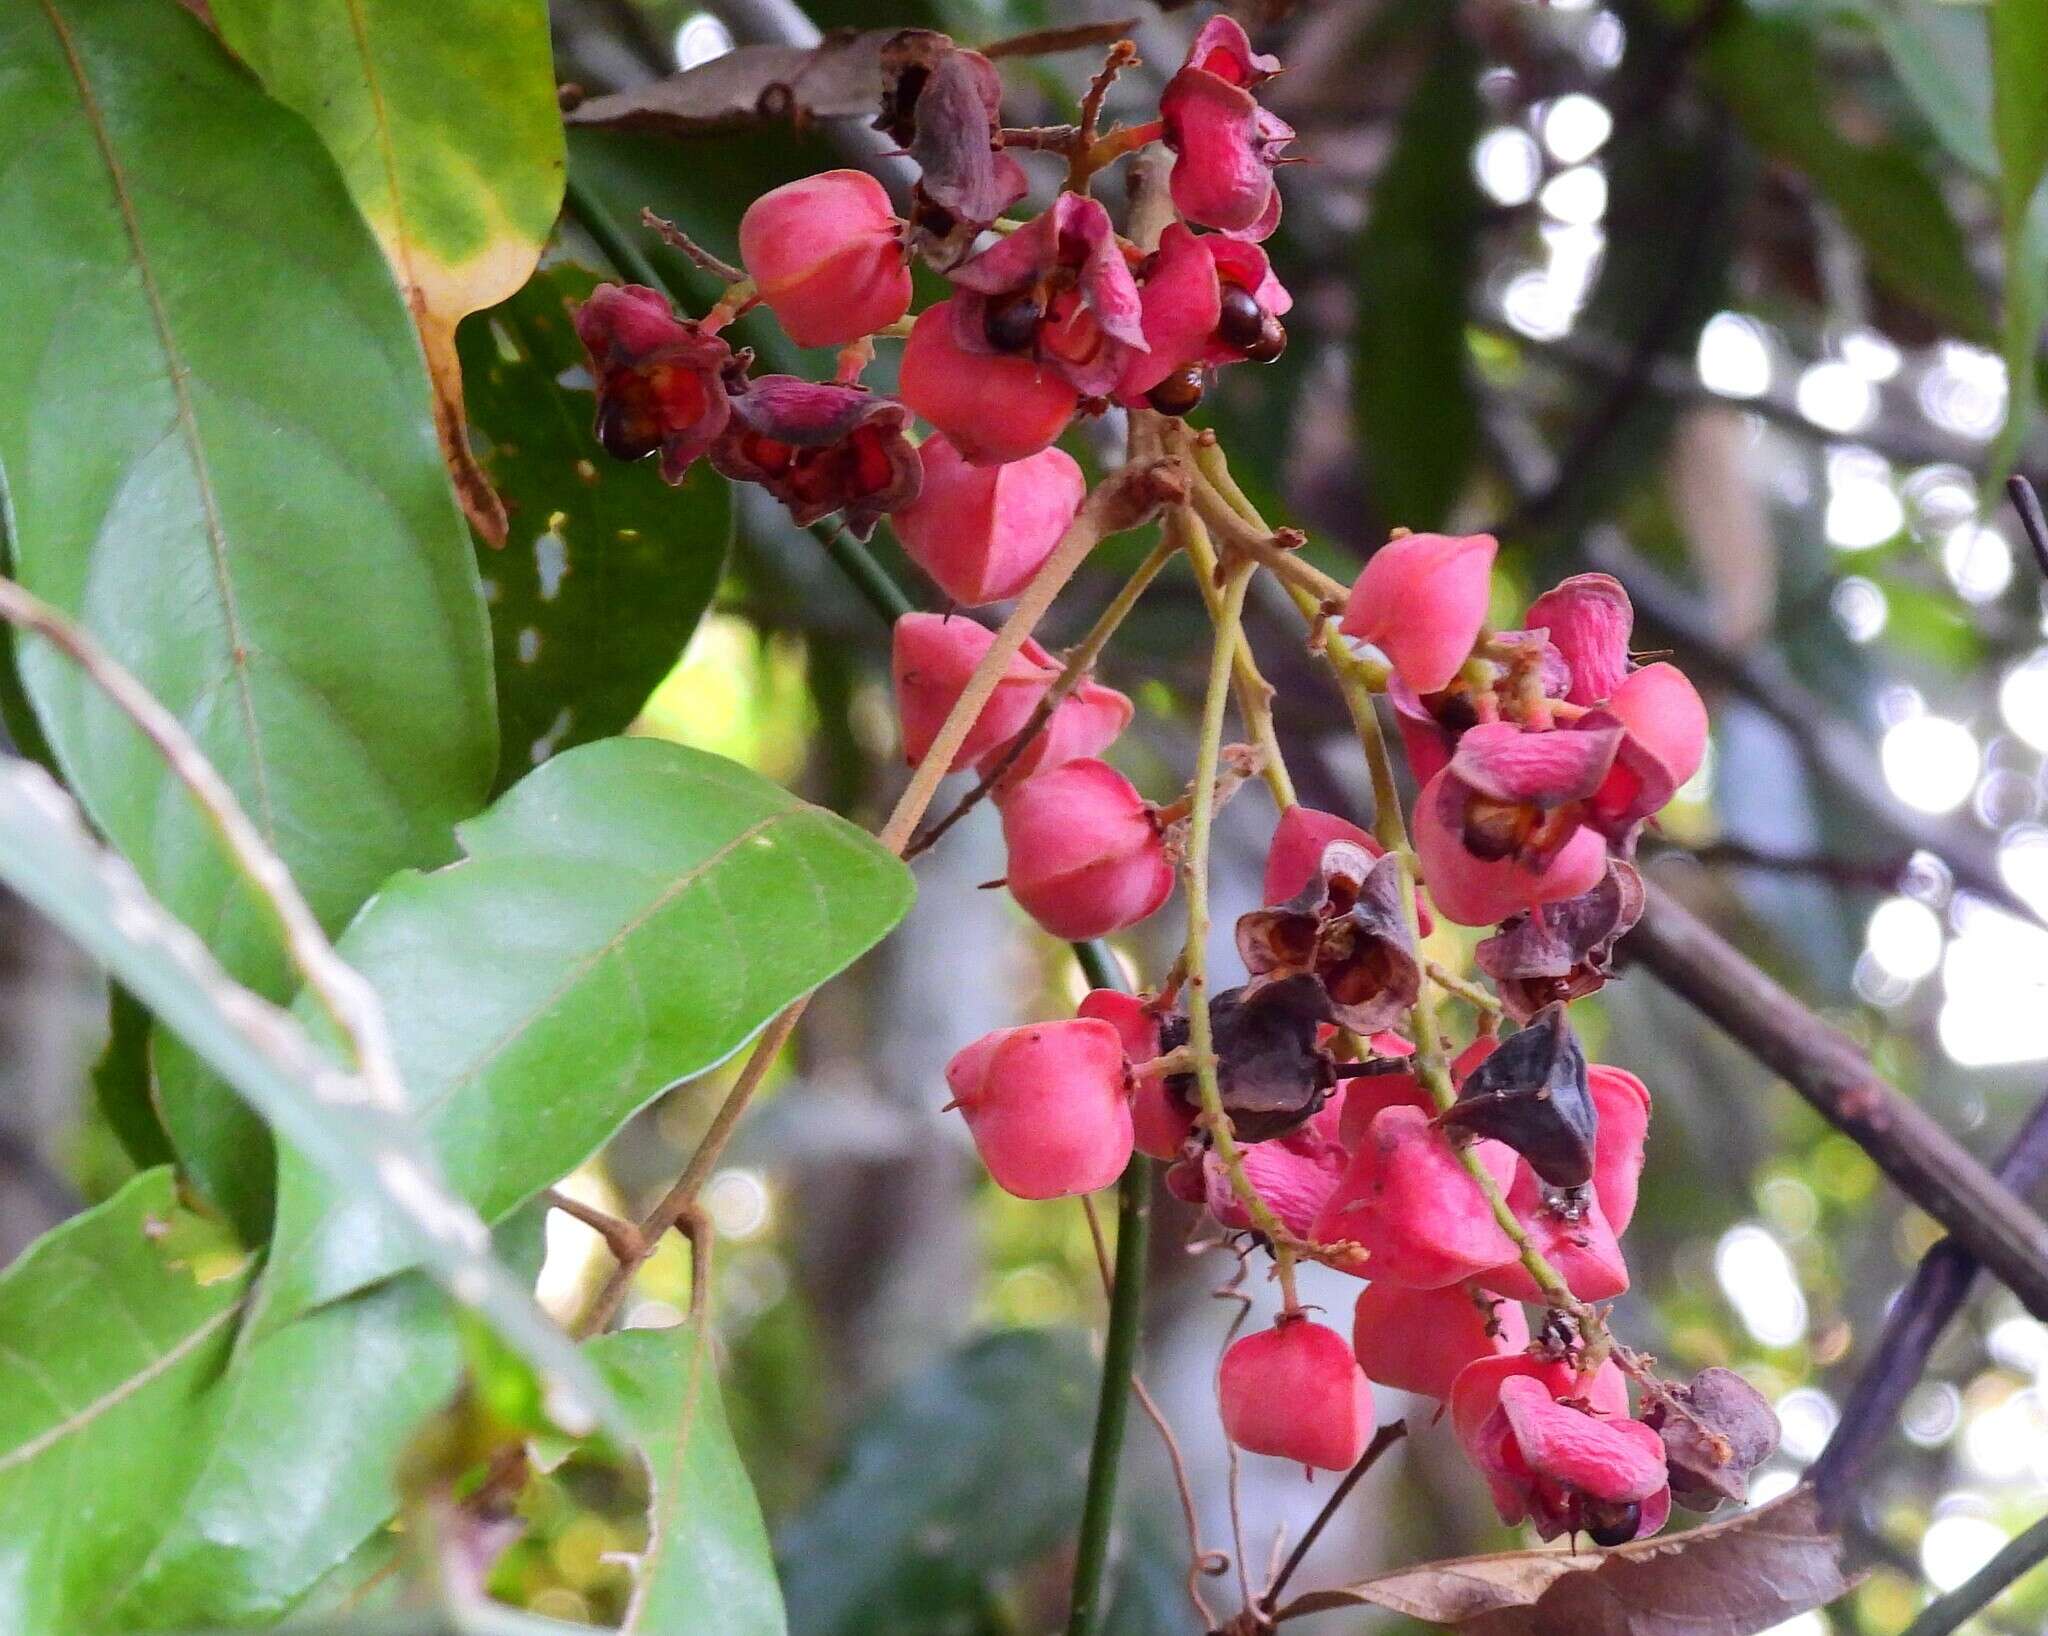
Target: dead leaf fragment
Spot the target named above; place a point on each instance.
(839, 78)
(1732, 1578)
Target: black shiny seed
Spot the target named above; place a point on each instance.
(1242, 320)
(1181, 392)
(1011, 322)
(1608, 1522)
(1271, 343)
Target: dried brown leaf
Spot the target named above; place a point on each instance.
(1732, 1578)
(839, 78)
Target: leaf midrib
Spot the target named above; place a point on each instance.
(187, 418)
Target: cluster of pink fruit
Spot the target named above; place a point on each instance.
(1541, 753)
(1058, 316)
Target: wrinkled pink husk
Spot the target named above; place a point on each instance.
(1225, 147)
(1421, 601)
(1409, 1204)
(1086, 857)
(1293, 1174)
(1421, 1340)
(1074, 232)
(1046, 1106)
(1547, 768)
(993, 408)
(932, 657)
(1296, 851)
(816, 415)
(1295, 1392)
(1589, 619)
(1473, 891)
(1181, 303)
(1083, 724)
(1160, 1121)
(826, 256)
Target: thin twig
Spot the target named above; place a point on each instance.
(2020, 1555)
(676, 239)
(338, 987)
(1873, 874)
(1045, 42)
(622, 1238)
(1926, 1163)
(1383, 1439)
(2032, 520)
(1912, 1328)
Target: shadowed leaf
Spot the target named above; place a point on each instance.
(839, 78)
(606, 569)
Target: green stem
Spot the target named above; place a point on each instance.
(1112, 1402)
(619, 246)
(1195, 960)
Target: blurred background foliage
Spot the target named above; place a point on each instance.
(1703, 293)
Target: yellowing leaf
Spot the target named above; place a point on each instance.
(443, 119)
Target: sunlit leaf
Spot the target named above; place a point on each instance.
(217, 456)
(627, 916)
(706, 1570)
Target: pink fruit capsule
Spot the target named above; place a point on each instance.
(1296, 1392)
(1473, 891)
(1046, 1106)
(1623, 1103)
(1576, 1240)
(1160, 1120)
(981, 532)
(1589, 618)
(1420, 1340)
(1296, 851)
(992, 408)
(1408, 1202)
(1421, 601)
(1087, 851)
(1085, 723)
(931, 658)
(1224, 144)
(1664, 723)
(825, 253)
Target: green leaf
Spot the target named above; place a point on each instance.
(1768, 71)
(444, 121)
(1418, 419)
(626, 917)
(607, 569)
(1937, 49)
(2019, 102)
(323, 1113)
(117, 1323)
(218, 456)
(121, 1083)
(707, 1569)
(972, 1467)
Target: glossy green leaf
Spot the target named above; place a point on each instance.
(112, 1328)
(148, 1482)
(2019, 107)
(444, 121)
(1417, 416)
(606, 569)
(627, 916)
(706, 1570)
(325, 1117)
(218, 457)
(970, 1468)
(1768, 70)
